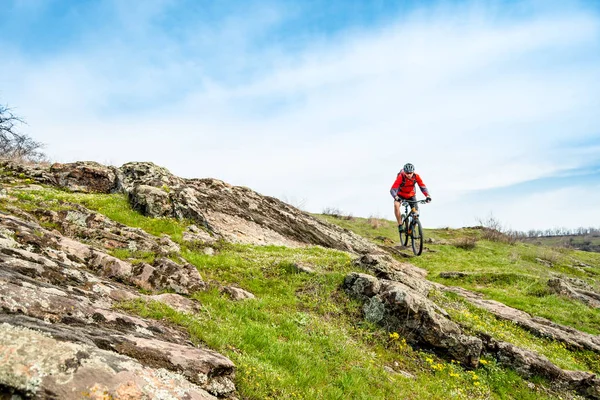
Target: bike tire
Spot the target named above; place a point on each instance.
(416, 237)
(404, 235)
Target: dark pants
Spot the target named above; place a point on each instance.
(412, 201)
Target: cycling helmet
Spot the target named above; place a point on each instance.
(408, 168)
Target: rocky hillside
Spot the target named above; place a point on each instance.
(73, 282)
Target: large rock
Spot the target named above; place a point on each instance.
(562, 287)
(233, 213)
(529, 363)
(362, 286)
(402, 309)
(150, 200)
(78, 222)
(236, 214)
(15, 171)
(539, 326)
(51, 246)
(167, 274)
(34, 364)
(383, 266)
(86, 176)
(61, 337)
(147, 173)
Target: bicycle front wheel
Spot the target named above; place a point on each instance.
(416, 237)
(404, 235)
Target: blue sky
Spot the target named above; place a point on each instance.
(320, 103)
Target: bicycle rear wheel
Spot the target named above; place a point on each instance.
(416, 238)
(404, 235)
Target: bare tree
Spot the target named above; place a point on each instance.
(17, 145)
(293, 201)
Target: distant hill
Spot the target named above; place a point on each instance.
(578, 242)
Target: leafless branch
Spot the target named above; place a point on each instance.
(15, 145)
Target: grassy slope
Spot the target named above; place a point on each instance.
(304, 338)
(516, 274)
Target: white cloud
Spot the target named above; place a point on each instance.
(571, 207)
(476, 102)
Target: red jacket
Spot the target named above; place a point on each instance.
(405, 187)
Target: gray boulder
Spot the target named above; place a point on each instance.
(402, 309)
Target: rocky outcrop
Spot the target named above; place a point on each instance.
(163, 274)
(88, 177)
(167, 274)
(83, 176)
(385, 267)
(539, 326)
(233, 213)
(399, 308)
(564, 288)
(37, 364)
(530, 364)
(78, 222)
(60, 336)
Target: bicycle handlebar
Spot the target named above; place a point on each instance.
(408, 202)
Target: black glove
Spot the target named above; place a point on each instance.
(428, 199)
(397, 198)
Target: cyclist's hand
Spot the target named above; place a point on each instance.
(397, 198)
(428, 199)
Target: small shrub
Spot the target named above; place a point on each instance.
(492, 231)
(497, 236)
(549, 255)
(337, 213)
(375, 223)
(334, 212)
(466, 243)
(539, 290)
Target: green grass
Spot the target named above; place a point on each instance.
(114, 206)
(510, 274)
(370, 228)
(302, 337)
(133, 257)
(477, 321)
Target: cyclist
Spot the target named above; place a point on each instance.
(404, 189)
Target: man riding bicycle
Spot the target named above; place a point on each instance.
(403, 189)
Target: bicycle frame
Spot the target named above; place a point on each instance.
(414, 214)
(411, 223)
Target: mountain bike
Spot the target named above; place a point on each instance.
(412, 227)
